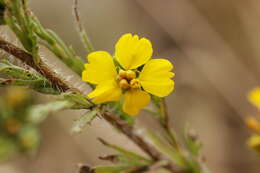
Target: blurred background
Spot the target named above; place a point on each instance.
(214, 46)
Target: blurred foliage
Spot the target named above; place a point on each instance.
(31, 33)
(2, 8)
(17, 135)
(20, 118)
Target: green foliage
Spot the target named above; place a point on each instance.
(79, 101)
(17, 17)
(110, 169)
(192, 142)
(175, 155)
(19, 131)
(124, 161)
(38, 113)
(29, 138)
(29, 30)
(128, 157)
(7, 148)
(17, 135)
(17, 76)
(84, 120)
(2, 8)
(58, 47)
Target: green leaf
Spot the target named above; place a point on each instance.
(192, 142)
(25, 77)
(83, 121)
(55, 44)
(80, 101)
(15, 71)
(132, 158)
(110, 169)
(38, 113)
(171, 152)
(18, 19)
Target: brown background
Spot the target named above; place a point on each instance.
(214, 46)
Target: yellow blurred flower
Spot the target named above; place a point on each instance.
(254, 97)
(130, 74)
(16, 95)
(253, 124)
(254, 142)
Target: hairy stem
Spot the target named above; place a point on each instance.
(113, 119)
(82, 33)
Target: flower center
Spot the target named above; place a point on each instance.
(127, 79)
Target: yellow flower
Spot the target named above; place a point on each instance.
(131, 74)
(253, 123)
(254, 142)
(254, 97)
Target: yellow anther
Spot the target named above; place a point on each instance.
(130, 74)
(124, 84)
(122, 74)
(135, 83)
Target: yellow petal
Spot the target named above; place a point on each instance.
(135, 100)
(101, 67)
(105, 92)
(254, 97)
(156, 77)
(132, 52)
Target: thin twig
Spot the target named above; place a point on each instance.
(113, 119)
(82, 33)
(167, 124)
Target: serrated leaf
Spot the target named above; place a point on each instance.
(83, 121)
(38, 113)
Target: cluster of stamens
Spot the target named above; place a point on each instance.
(127, 79)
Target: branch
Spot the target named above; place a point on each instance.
(111, 118)
(82, 33)
(41, 67)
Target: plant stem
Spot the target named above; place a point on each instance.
(166, 123)
(113, 119)
(82, 33)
